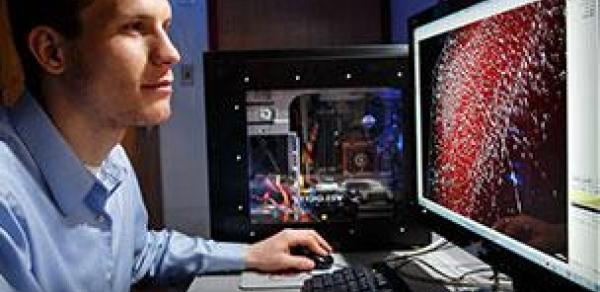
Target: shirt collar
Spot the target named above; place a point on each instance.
(67, 178)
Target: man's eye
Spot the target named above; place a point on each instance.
(134, 27)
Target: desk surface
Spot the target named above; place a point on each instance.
(216, 283)
(450, 259)
(230, 282)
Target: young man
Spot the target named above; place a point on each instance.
(71, 213)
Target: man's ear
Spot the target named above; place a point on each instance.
(46, 45)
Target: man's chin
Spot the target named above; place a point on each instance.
(155, 117)
(163, 117)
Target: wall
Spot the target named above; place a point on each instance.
(249, 24)
(401, 11)
(182, 138)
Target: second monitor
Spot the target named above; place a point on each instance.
(318, 138)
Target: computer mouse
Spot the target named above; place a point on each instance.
(321, 262)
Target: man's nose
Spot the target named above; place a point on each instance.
(165, 52)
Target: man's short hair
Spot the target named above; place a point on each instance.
(61, 15)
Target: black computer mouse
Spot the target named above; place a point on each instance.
(321, 262)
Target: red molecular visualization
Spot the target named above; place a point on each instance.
(498, 133)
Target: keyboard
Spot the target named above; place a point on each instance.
(380, 278)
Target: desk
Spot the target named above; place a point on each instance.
(450, 259)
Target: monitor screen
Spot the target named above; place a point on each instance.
(325, 154)
(496, 147)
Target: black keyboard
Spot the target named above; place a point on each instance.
(356, 279)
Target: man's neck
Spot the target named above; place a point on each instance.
(89, 139)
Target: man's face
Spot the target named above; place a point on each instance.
(120, 66)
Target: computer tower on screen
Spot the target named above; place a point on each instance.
(318, 139)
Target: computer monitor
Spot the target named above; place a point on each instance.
(318, 138)
(506, 102)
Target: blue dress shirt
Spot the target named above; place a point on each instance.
(64, 229)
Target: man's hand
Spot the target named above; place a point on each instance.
(273, 254)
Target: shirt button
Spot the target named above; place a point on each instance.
(108, 276)
(100, 218)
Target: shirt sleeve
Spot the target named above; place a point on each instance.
(169, 257)
(15, 255)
